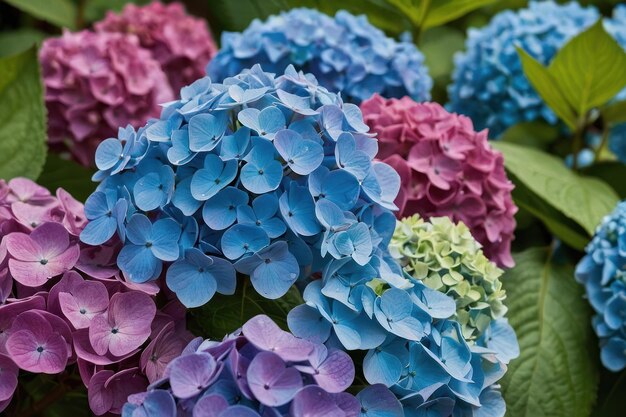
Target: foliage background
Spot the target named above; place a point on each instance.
(558, 373)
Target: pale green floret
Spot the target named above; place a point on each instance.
(446, 257)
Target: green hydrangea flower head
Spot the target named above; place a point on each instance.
(446, 257)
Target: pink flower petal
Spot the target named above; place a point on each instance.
(20, 246)
(85, 301)
(38, 354)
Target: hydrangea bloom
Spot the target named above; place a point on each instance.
(271, 178)
(94, 83)
(62, 302)
(603, 276)
(445, 257)
(489, 84)
(179, 42)
(346, 53)
(447, 169)
(413, 347)
(616, 26)
(258, 370)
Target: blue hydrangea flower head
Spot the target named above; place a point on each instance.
(616, 26)
(271, 178)
(602, 273)
(345, 53)
(418, 341)
(489, 84)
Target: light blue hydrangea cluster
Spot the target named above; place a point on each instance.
(345, 53)
(270, 177)
(603, 272)
(616, 26)
(413, 347)
(489, 84)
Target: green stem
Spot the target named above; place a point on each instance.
(603, 143)
(577, 144)
(80, 14)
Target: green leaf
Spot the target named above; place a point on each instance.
(614, 113)
(538, 134)
(582, 199)
(590, 69)
(613, 173)
(22, 116)
(16, 41)
(438, 46)
(444, 11)
(74, 178)
(226, 313)
(559, 225)
(61, 13)
(546, 86)
(96, 9)
(556, 374)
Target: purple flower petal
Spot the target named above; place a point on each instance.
(210, 406)
(191, 374)
(84, 302)
(161, 351)
(263, 333)
(125, 326)
(270, 381)
(334, 370)
(85, 351)
(38, 353)
(313, 401)
(239, 411)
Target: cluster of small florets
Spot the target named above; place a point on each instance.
(259, 370)
(412, 345)
(603, 274)
(489, 84)
(446, 257)
(62, 302)
(447, 169)
(95, 82)
(180, 43)
(345, 53)
(271, 178)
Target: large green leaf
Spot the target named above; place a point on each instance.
(22, 116)
(226, 313)
(611, 172)
(538, 134)
(614, 113)
(74, 178)
(583, 199)
(548, 88)
(16, 41)
(556, 373)
(61, 13)
(444, 11)
(590, 69)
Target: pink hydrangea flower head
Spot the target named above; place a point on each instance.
(181, 43)
(447, 169)
(96, 82)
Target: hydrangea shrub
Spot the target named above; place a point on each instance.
(63, 303)
(446, 257)
(489, 84)
(259, 370)
(179, 42)
(345, 53)
(270, 178)
(447, 169)
(601, 272)
(94, 83)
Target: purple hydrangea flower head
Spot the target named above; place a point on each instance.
(235, 178)
(258, 370)
(179, 42)
(489, 84)
(96, 82)
(599, 271)
(64, 303)
(345, 52)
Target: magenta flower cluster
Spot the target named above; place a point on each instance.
(62, 302)
(446, 169)
(96, 82)
(180, 43)
(119, 74)
(259, 370)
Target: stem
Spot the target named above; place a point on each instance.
(80, 14)
(577, 144)
(603, 142)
